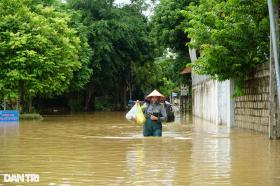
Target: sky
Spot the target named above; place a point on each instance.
(122, 1)
(148, 12)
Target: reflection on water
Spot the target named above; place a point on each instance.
(7, 129)
(105, 149)
(211, 154)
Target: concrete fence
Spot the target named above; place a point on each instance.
(252, 109)
(212, 100)
(256, 109)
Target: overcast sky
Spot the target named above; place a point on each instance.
(148, 12)
(122, 1)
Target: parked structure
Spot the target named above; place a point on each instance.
(185, 91)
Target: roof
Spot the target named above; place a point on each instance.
(186, 70)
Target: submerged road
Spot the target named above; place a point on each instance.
(105, 149)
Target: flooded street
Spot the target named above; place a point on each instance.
(106, 149)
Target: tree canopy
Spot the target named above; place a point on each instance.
(118, 37)
(231, 36)
(39, 52)
(168, 33)
(93, 53)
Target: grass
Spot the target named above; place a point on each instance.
(31, 116)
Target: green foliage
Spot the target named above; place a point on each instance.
(170, 76)
(168, 25)
(232, 36)
(74, 103)
(168, 87)
(81, 76)
(119, 38)
(168, 31)
(39, 52)
(46, 2)
(146, 77)
(103, 105)
(158, 75)
(31, 116)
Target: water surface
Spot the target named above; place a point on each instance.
(105, 149)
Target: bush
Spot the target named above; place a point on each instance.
(31, 116)
(103, 105)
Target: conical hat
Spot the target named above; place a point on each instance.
(155, 93)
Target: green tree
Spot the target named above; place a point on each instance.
(81, 76)
(168, 30)
(39, 52)
(168, 26)
(119, 38)
(232, 37)
(156, 75)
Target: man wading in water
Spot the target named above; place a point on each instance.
(155, 113)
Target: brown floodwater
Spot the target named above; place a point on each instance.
(105, 149)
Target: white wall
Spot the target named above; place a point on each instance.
(212, 100)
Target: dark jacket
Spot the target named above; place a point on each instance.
(157, 110)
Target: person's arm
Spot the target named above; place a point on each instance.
(146, 114)
(163, 114)
(143, 106)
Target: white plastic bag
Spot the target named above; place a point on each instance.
(136, 114)
(131, 115)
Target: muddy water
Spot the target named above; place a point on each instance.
(105, 149)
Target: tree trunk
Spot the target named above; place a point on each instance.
(124, 99)
(88, 98)
(21, 97)
(30, 104)
(115, 99)
(118, 96)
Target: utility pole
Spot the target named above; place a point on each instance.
(275, 44)
(274, 124)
